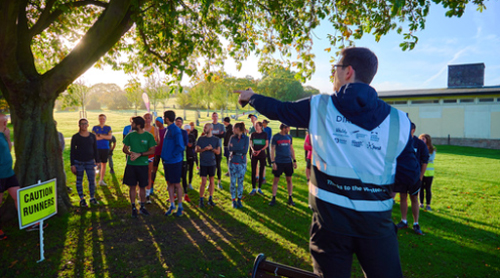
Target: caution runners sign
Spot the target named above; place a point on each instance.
(36, 203)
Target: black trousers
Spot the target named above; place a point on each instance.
(332, 253)
(262, 168)
(426, 190)
(218, 159)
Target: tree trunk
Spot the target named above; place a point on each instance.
(37, 148)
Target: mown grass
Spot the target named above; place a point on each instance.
(461, 233)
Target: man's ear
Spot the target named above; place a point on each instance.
(350, 74)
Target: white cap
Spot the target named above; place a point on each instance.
(187, 127)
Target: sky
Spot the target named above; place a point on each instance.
(473, 38)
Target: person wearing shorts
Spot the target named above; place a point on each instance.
(171, 154)
(148, 127)
(156, 162)
(209, 147)
(283, 160)
(138, 146)
(422, 154)
(218, 130)
(103, 135)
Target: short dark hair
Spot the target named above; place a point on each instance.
(139, 121)
(240, 126)
(170, 115)
(413, 126)
(82, 119)
(363, 61)
(179, 118)
(282, 126)
(227, 120)
(259, 124)
(102, 115)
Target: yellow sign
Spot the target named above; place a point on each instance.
(36, 203)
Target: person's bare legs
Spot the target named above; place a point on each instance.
(289, 185)
(180, 193)
(171, 192)
(142, 194)
(102, 172)
(414, 207)
(404, 205)
(202, 187)
(211, 186)
(275, 185)
(132, 191)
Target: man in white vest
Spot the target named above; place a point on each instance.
(361, 147)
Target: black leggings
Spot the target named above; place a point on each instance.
(190, 162)
(218, 159)
(262, 168)
(426, 190)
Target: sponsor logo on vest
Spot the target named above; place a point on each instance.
(356, 144)
(372, 146)
(374, 136)
(342, 119)
(340, 141)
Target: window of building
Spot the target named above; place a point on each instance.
(449, 101)
(466, 100)
(424, 101)
(488, 99)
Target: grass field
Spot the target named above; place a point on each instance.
(462, 234)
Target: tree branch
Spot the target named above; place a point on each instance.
(148, 48)
(111, 25)
(47, 17)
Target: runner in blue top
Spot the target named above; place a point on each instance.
(171, 154)
(103, 135)
(283, 161)
(359, 142)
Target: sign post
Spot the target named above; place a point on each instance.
(35, 204)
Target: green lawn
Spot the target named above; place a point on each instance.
(461, 233)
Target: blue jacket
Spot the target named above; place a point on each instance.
(359, 104)
(173, 145)
(238, 148)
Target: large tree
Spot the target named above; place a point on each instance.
(38, 60)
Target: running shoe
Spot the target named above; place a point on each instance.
(428, 208)
(252, 192)
(260, 191)
(219, 185)
(201, 204)
(179, 212)
(3, 235)
(36, 227)
(421, 206)
(402, 225)
(134, 213)
(240, 205)
(143, 211)
(103, 183)
(186, 198)
(152, 191)
(417, 230)
(227, 174)
(169, 211)
(290, 201)
(273, 202)
(148, 200)
(93, 202)
(112, 171)
(211, 203)
(235, 204)
(83, 204)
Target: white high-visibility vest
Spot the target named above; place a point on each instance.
(354, 168)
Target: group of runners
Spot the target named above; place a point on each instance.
(177, 146)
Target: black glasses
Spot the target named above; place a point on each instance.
(334, 68)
